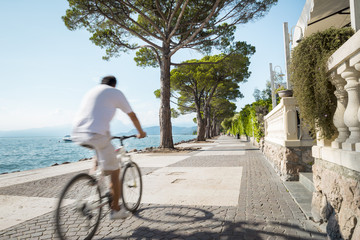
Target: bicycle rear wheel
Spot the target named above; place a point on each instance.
(131, 190)
(78, 211)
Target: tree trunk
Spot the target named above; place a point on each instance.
(166, 140)
(217, 129)
(207, 112)
(212, 129)
(213, 126)
(207, 120)
(200, 127)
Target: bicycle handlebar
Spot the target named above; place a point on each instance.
(122, 138)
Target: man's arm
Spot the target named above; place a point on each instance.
(137, 125)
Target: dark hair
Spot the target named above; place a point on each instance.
(109, 80)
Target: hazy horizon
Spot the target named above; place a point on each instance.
(66, 129)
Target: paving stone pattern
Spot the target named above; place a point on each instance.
(265, 209)
(48, 187)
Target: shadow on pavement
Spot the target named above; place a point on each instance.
(173, 214)
(181, 222)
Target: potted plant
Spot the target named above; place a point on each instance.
(283, 92)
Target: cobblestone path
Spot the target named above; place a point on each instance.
(265, 209)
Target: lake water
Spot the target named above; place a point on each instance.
(25, 153)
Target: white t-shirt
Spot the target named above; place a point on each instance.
(97, 109)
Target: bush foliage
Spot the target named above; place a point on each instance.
(250, 120)
(310, 78)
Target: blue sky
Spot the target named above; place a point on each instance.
(45, 69)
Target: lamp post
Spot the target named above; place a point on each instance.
(355, 14)
(287, 54)
(288, 39)
(272, 78)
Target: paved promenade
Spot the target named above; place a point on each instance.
(225, 189)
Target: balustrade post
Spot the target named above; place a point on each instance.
(290, 119)
(266, 127)
(357, 67)
(338, 119)
(351, 113)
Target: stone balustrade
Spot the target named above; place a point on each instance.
(336, 171)
(287, 146)
(282, 126)
(344, 74)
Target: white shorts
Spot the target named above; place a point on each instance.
(105, 151)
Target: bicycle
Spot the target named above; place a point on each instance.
(79, 209)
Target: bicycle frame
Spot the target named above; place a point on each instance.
(88, 206)
(121, 155)
(123, 158)
(124, 161)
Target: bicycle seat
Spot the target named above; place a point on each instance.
(87, 146)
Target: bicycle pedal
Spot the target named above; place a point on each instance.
(93, 182)
(109, 197)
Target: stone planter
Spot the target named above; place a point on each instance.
(285, 93)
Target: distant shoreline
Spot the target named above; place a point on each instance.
(65, 130)
(148, 149)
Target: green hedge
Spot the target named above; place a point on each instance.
(250, 120)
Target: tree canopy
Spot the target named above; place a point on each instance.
(158, 29)
(250, 120)
(197, 86)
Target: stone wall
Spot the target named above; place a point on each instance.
(288, 161)
(255, 143)
(337, 199)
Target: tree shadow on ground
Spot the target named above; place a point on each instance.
(179, 222)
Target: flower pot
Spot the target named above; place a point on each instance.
(285, 93)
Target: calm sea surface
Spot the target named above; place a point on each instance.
(25, 153)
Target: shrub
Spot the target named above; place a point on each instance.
(310, 79)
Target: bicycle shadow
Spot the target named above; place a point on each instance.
(175, 214)
(184, 222)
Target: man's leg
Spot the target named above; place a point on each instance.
(109, 163)
(115, 185)
(95, 165)
(115, 188)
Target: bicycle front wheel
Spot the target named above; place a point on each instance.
(131, 190)
(78, 211)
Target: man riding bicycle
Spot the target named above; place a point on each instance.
(92, 128)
